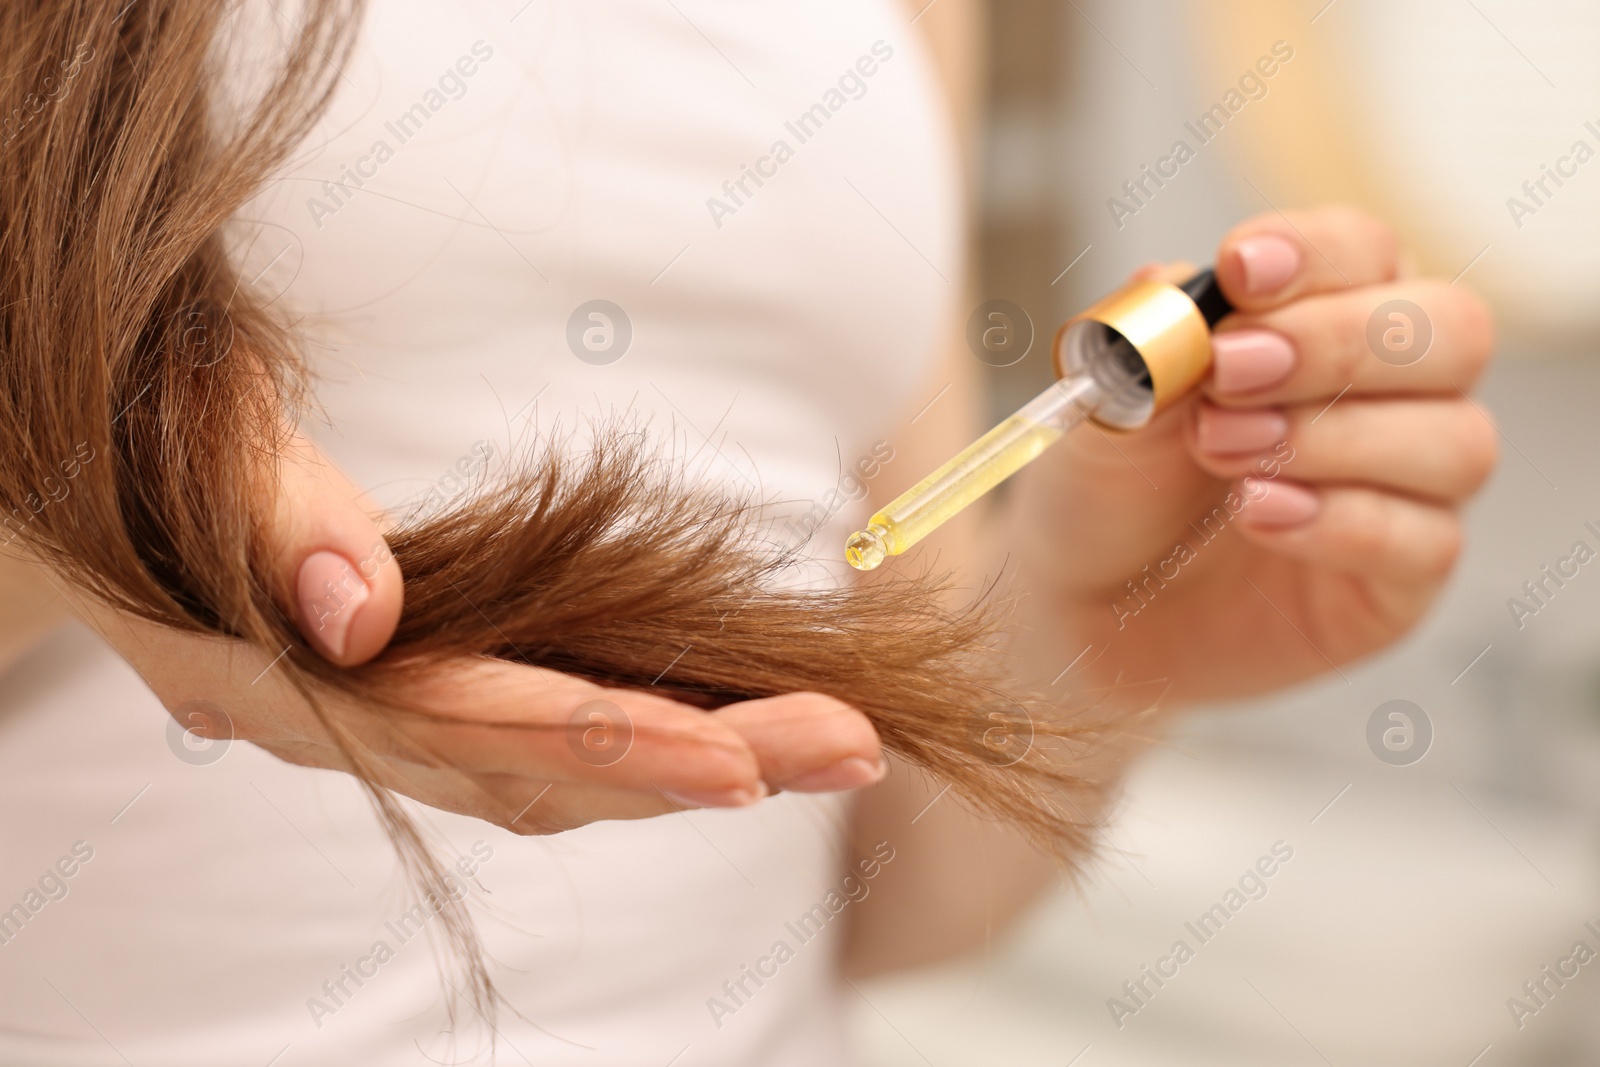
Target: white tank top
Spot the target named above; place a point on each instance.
(767, 192)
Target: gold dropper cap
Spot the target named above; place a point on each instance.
(1166, 328)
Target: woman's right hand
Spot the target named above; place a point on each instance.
(583, 753)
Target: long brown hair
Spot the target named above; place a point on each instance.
(125, 158)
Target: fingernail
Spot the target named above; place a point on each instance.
(852, 773)
(1228, 432)
(1278, 503)
(1247, 360)
(1267, 262)
(718, 798)
(331, 593)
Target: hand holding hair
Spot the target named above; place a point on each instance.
(335, 566)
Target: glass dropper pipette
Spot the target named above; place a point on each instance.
(1121, 360)
(984, 464)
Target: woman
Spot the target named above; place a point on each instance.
(478, 182)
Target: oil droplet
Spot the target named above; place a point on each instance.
(865, 550)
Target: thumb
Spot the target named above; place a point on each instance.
(333, 565)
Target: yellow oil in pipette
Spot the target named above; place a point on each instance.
(984, 464)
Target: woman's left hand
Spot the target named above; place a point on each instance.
(1301, 510)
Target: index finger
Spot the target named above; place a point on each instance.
(525, 721)
(511, 719)
(1273, 259)
(1336, 343)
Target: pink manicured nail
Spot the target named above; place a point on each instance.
(1267, 262)
(1246, 360)
(852, 773)
(1277, 503)
(724, 798)
(1228, 432)
(331, 593)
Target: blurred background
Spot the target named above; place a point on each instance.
(1431, 878)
